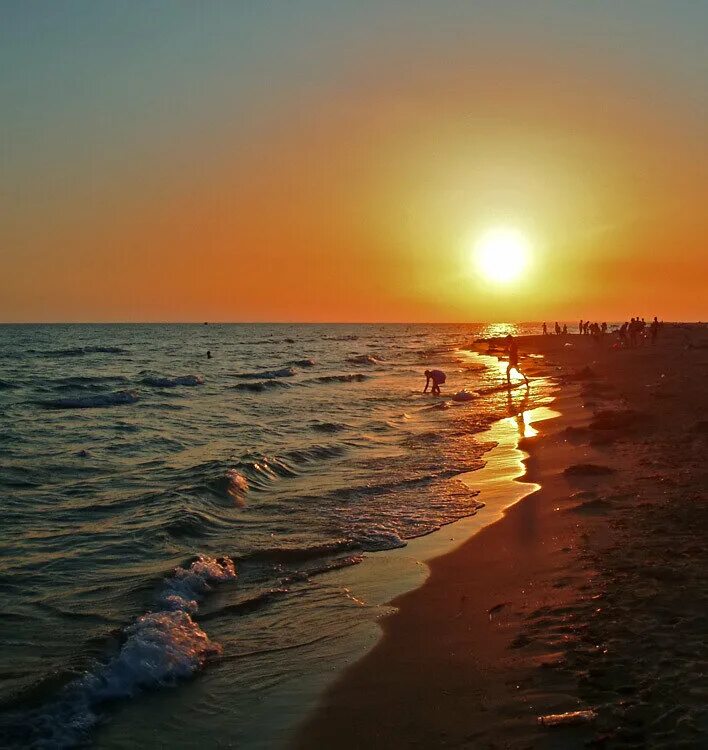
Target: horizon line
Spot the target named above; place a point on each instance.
(303, 322)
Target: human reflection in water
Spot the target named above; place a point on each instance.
(518, 411)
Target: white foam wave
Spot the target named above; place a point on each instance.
(159, 649)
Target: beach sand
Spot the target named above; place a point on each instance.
(589, 594)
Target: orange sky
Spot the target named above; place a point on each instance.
(358, 196)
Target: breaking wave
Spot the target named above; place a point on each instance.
(159, 649)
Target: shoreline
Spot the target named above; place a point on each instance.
(506, 482)
(498, 634)
(385, 576)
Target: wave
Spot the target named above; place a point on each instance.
(377, 540)
(284, 372)
(259, 471)
(86, 382)
(235, 485)
(314, 453)
(158, 382)
(246, 606)
(303, 363)
(158, 649)
(289, 555)
(328, 427)
(260, 386)
(92, 402)
(365, 359)
(191, 524)
(81, 350)
(327, 567)
(355, 377)
(263, 470)
(6, 385)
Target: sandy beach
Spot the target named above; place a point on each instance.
(588, 594)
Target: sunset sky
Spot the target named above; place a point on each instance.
(340, 161)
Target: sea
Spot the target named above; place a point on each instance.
(183, 536)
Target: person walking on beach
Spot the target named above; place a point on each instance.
(545, 330)
(437, 377)
(558, 329)
(514, 360)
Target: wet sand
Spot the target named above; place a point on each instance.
(589, 593)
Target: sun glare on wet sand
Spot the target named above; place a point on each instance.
(501, 255)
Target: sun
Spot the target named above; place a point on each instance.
(502, 254)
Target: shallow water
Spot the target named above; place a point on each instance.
(136, 472)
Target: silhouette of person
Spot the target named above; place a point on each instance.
(654, 329)
(545, 330)
(208, 354)
(514, 360)
(558, 329)
(437, 377)
(623, 334)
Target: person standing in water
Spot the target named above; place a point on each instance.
(437, 377)
(514, 360)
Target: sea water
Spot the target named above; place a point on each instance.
(176, 530)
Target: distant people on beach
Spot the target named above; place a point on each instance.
(565, 329)
(513, 350)
(654, 330)
(580, 327)
(545, 329)
(623, 334)
(437, 378)
(558, 329)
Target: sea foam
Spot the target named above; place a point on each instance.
(159, 648)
